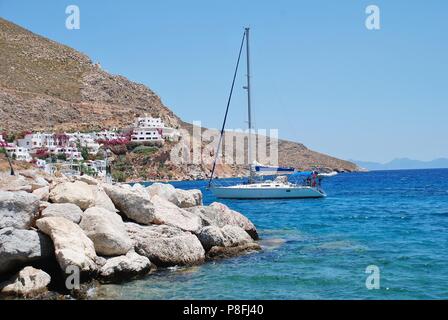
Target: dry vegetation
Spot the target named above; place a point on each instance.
(48, 86)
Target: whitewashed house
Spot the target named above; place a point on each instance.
(99, 166)
(71, 153)
(105, 135)
(40, 140)
(40, 163)
(148, 129)
(85, 140)
(18, 153)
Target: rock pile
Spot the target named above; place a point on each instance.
(107, 232)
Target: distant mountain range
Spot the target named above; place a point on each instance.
(403, 163)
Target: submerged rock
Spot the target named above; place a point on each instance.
(72, 246)
(124, 267)
(228, 236)
(166, 245)
(218, 214)
(228, 252)
(107, 231)
(19, 247)
(77, 192)
(18, 209)
(27, 283)
(68, 211)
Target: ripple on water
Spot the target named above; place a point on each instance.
(320, 248)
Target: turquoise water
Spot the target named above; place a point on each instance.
(320, 248)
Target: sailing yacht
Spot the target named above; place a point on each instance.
(288, 183)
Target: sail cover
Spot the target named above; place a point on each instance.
(301, 174)
(263, 170)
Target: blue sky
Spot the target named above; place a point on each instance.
(319, 75)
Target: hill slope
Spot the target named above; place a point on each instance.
(48, 86)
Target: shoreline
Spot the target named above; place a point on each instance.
(108, 233)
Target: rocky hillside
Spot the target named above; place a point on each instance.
(48, 86)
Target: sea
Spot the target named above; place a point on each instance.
(377, 235)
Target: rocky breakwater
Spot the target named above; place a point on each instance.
(54, 228)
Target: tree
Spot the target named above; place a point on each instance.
(3, 145)
(85, 153)
(62, 156)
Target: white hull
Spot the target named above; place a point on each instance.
(258, 192)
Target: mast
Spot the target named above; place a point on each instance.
(227, 109)
(249, 114)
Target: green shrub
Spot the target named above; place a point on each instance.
(119, 176)
(85, 153)
(144, 150)
(62, 156)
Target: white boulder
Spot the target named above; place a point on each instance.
(179, 197)
(168, 213)
(218, 214)
(18, 209)
(69, 211)
(124, 267)
(42, 193)
(107, 231)
(38, 183)
(166, 245)
(72, 246)
(19, 247)
(27, 283)
(189, 198)
(87, 179)
(14, 183)
(101, 199)
(77, 192)
(228, 236)
(132, 203)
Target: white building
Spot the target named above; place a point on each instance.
(148, 129)
(18, 153)
(84, 140)
(105, 135)
(40, 163)
(71, 153)
(147, 134)
(149, 122)
(42, 140)
(99, 166)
